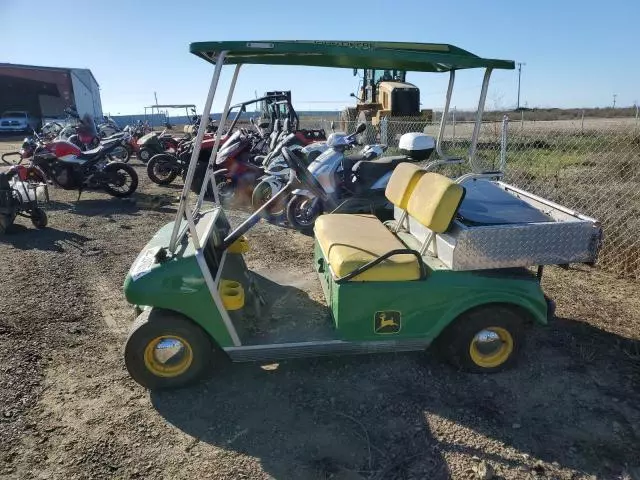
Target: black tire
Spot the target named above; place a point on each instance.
(159, 169)
(129, 184)
(261, 194)
(6, 220)
(226, 189)
(296, 216)
(459, 343)
(39, 218)
(193, 357)
(121, 156)
(144, 155)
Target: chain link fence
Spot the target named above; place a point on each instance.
(589, 165)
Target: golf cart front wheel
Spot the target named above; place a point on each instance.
(166, 350)
(483, 340)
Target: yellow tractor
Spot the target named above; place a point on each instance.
(385, 93)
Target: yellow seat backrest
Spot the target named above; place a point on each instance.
(435, 201)
(401, 184)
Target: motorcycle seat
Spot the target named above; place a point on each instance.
(115, 136)
(350, 161)
(110, 142)
(92, 154)
(371, 170)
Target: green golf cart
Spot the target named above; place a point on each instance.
(451, 268)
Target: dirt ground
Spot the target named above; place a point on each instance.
(68, 409)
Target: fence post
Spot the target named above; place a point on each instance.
(582, 124)
(453, 122)
(503, 143)
(521, 119)
(384, 130)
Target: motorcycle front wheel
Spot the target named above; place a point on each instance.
(302, 213)
(161, 169)
(262, 193)
(144, 154)
(120, 179)
(119, 154)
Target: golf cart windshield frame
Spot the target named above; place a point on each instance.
(272, 100)
(155, 110)
(376, 55)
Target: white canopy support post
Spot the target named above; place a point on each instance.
(194, 155)
(209, 177)
(478, 124)
(445, 114)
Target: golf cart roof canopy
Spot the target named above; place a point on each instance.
(172, 106)
(418, 57)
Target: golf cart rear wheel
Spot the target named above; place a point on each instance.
(483, 340)
(39, 218)
(166, 350)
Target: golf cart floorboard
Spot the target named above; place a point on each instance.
(294, 310)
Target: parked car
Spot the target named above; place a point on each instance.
(17, 121)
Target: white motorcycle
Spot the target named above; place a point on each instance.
(351, 183)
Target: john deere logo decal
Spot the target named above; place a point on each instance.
(387, 322)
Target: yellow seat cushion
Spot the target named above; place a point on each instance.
(401, 184)
(351, 241)
(435, 201)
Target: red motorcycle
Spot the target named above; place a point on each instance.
(35, 171)
(74, 169)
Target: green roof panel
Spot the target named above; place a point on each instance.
(418, 57)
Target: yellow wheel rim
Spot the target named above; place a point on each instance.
(491, 347)
(168, 356)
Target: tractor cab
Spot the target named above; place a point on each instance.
(452, 268)
(386, 93)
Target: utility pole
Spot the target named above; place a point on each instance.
(614, 99)
(520, 65)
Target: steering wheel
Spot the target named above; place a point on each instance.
(297, 165)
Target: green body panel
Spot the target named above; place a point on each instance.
(426, 306)
(418, 57)
(176, 284)
(422, 308)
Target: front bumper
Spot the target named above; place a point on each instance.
(14, 128)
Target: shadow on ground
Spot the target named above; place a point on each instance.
(106, 207)
(48, 239)
(573, 399)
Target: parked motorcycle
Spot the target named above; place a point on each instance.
(154, 143)
(37, 159)
(277, 172)
(351, 183)
(164, 168)
(74, 169)
(108, 127)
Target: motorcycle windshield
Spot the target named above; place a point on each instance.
(88, 126)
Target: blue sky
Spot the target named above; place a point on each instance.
(577, 53)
